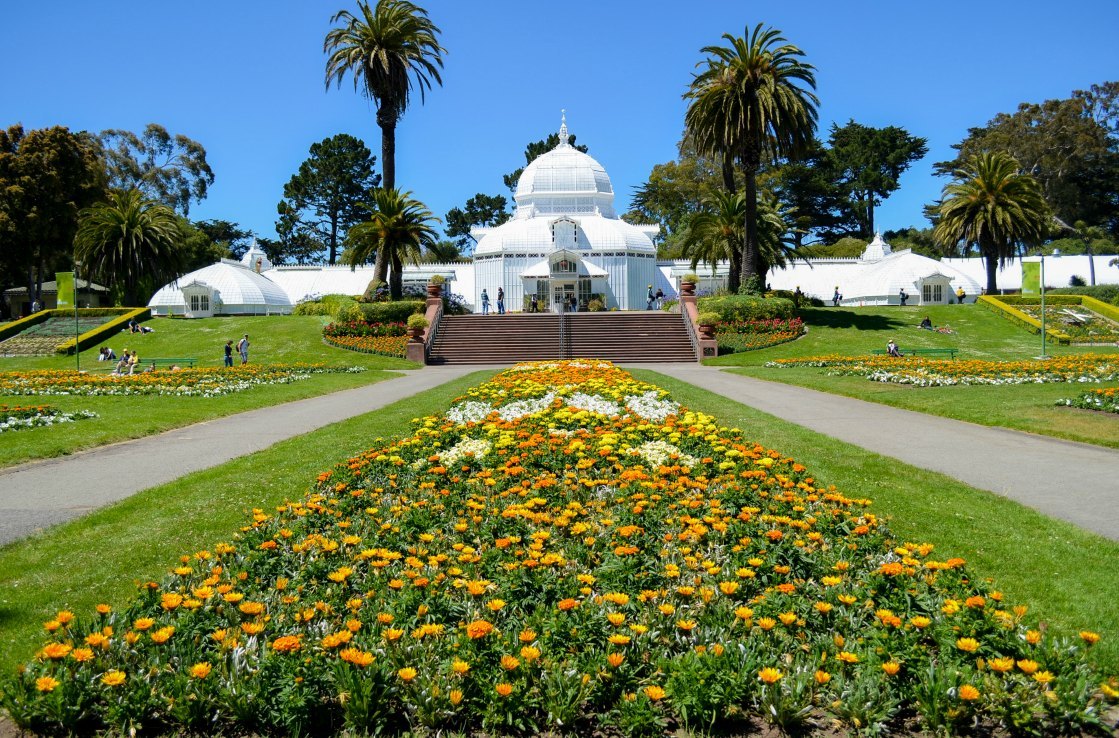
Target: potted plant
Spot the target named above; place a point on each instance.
(688, 283)
(707, 323)
(417, 324)
(435, 286)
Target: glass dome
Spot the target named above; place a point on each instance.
(564, 180)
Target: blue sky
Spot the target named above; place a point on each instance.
(245, 78)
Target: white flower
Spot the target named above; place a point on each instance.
(661, 453)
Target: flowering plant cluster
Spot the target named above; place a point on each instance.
(943, 372)
(566, 549)
(749, 335)
(383, 345)
(1105, 399)
(363, 329)
(1082, 326)
(204, 382)
(17, 417)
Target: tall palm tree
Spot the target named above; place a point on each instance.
(748, 100)
(129, 239)
(398, 228)
(389, 49)
(715, 232)
(994, 205)
(776, 240)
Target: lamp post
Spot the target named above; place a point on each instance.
(1056, 254)
(77, 330)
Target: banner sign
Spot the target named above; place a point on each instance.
(65, 282)
(1031, 278)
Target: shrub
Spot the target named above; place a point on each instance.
(105, 330)
(361, 329)
(350, 313)
(417, 321)
(311, 308)
(1077, 281)
(707, 318)
(733, 308)
(1103, 292)
(596, 306)
(438, 279)
(390, 312)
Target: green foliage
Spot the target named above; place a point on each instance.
(129, 239)
(416, 320)
(438, 279)
(171, 170)
(391, 312)
(480, 210)
(1005, 308)
(1102, 292)
(732, 308)
(399, 227)
(104, 332)
(707, 318)
(228, 237)
(322, 201)
(596, 305)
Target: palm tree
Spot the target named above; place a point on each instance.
(387, 49)
(128, 239)
(715, 232)
(748, 101)
(776, 242)
(398, 228)
(994, 205)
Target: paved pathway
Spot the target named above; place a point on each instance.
(43, 493)
(1072, 481)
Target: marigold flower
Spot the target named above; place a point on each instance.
(252, 628)
(407, 674)
(113, 678)
(891, 668)
(201, 670)
(615, 659)
(823, 607)
(654, 693)
(287, 644)
(46, 684)
(479, 629)
(968, 693)
(1027, 666)
(251, 608)
(770, 675)
(968, 645)
(743, 613)
(504, 689)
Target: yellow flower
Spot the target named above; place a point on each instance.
(509, 663)
(479, 629)
(823, 607)
(393, 634)
(455, 696)
(163, 634)
(619, 640)
(530, 654)
(1001, 665)
(919, 621)
(847, 657)
(788, 618)
(822, 677)
(615, 659)
(82, 654)
(654, 693)
(528, 635)
(615, 618)
(1043, 677)
(356, 656)
(1027, 666)
(968, 693)
(743, 613)
(46, 684)
(685, 625)
(891, 668)
(1089, 637)
(201, 670)
(406, 674)
(968, 645)
(460, 667)
(287, 644)
(495, 605)
(113, 678)
(1033, 637)
(143, 623)
(770, 675)
(55, 651)
(766, 623)
(504, 689)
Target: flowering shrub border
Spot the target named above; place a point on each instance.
(942, 372)
(751, 335)
(202, 382)
(22, 417)
(1105, 399)
(384, 345)
(568, 547)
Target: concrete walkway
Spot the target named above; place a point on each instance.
(43, 493)
(1072, 481)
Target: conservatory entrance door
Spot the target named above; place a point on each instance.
(562, 292)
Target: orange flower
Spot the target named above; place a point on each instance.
(287, 644)
(968, 693)
(163, 634)
(455, 696)
(406, 674)
(567, 604)
(891, 668)
(968, 645)
(479, 629)
(615, 659)
(1001, 665)
(143, 623)
(1043, 677)
(920, 621)
(113, 678)
(504, 689)
(528, 635)
(82, 654)
(770, 675)
(822, 677)
(654, 693)
(509, 663)
(201, 670)
(1027, 666)
(46, 684)
(847, 657)
(356, 656)
(1089, 637)
(460, 667)
(55, 651)
(530, 654)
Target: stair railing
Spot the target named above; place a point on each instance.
(564, 339)
(692, 335)
(432, 331)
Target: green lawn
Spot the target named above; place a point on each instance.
(274, 340)
(1066, 576)
(981, 334)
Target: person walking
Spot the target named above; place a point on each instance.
(243, 348)
(485, 302)
(501, 301)
(902, 296)
(660, 298)
(229, 353)
(836, 297)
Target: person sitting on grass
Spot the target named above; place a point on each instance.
(927, 324)
(892, 349)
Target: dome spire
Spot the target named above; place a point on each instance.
(564, 138)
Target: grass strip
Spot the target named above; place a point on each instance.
(101, 556)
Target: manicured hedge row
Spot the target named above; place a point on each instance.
(734, 308)
(19, 326)
(1002, 307)
(106, 330)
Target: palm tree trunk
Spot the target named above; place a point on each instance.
(734, 276)
(750, 255)
(387, 123)
(396, 278)
(992, 261)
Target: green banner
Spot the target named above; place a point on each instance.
(1031, 278)
(65, 282)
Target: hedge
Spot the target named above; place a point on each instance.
(734, 308)
(105, 330)
(19, 326)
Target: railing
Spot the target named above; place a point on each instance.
(432, 332)
(692, 336)
(564, 332)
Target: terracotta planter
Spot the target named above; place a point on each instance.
(687, 288)
(417, 334)
(434, 290)
(706, 331)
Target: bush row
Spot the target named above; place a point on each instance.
(731, 308)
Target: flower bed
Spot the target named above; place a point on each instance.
(1105, 400)
(750, 335)
(17, 417)
(942, 372)
(205, 382)
(1091, 329)
(387, 339)
(566, 548)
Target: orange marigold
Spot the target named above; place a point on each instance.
(287, 644)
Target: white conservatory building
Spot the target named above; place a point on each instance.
(565, 240)
(225, 288)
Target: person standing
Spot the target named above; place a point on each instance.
(485, 302)
(574, 304)
(501, 301)
(650, 298)
(960, 295)
(902, 296)
(229, 353)
(660, 298)
(836, 297)
(534, 304)
(243, 348)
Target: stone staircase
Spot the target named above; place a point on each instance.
(631, 336)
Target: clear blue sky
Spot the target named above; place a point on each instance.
(245, 78)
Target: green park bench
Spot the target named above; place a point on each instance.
(949, 353)
(167, 363)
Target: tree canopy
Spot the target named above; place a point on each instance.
(398, 228)
(323, 199)
(480, 210)
(168, 169)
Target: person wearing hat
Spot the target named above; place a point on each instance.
(650, 298)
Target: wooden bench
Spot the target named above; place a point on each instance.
(946, 352)
(166, 363)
